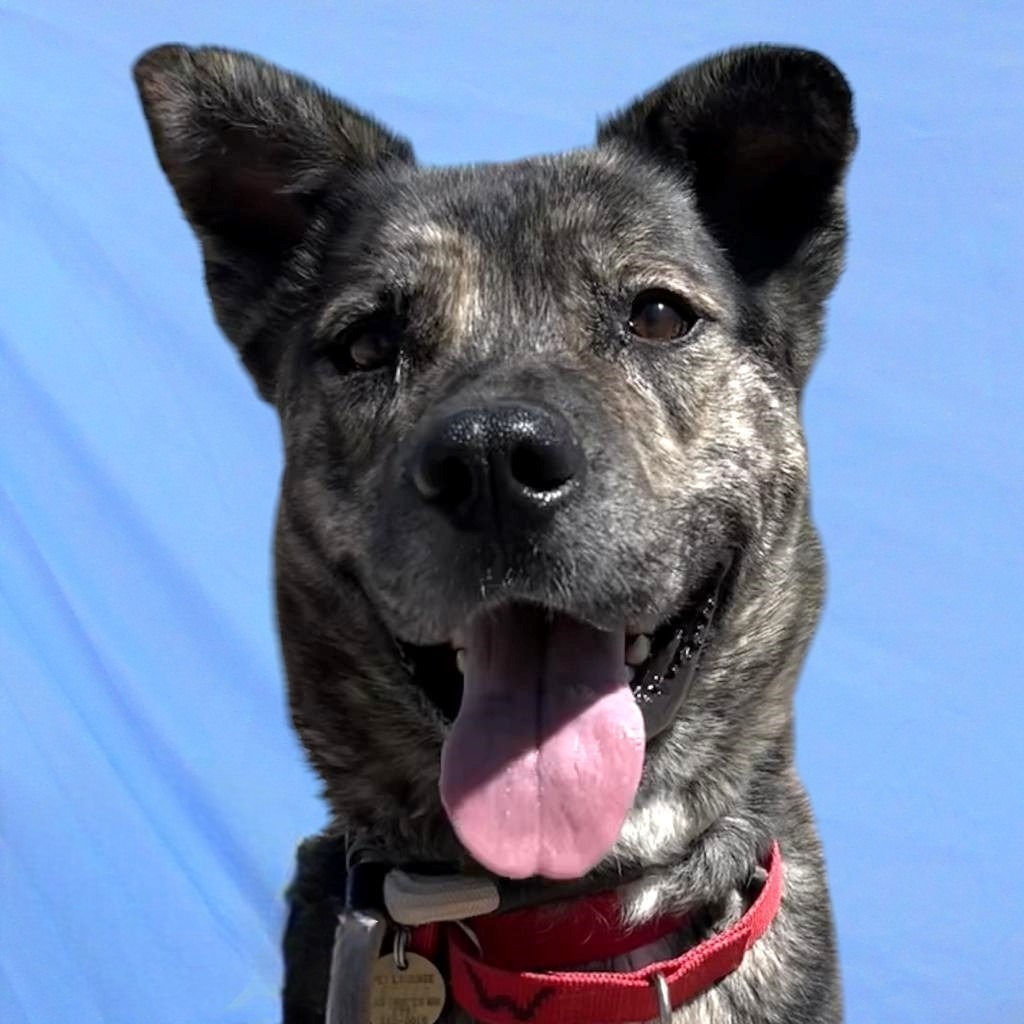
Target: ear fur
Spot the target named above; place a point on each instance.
(763, 135)
(251, 152)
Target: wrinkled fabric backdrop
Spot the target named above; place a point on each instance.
(152, 792)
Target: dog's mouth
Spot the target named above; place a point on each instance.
(660, 659)
(550, 717)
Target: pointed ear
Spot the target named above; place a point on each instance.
(254, 154)
(763, 135)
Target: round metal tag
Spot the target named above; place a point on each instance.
(413, 995)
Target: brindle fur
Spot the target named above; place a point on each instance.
(723, 185)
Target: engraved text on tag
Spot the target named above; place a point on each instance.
(414, 995)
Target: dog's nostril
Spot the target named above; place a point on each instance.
(455, 480)
(445, 479)
(539, 467)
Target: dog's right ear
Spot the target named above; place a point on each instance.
(253, 153)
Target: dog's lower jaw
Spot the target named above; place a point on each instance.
(721, 813)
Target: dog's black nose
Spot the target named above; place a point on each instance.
(502, 466)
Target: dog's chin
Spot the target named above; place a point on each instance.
(661, 654)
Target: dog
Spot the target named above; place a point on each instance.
(545, 571)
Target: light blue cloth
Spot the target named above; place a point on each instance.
(151, 791)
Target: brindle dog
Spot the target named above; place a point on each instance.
(545, 569)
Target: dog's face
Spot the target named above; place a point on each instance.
(545, 572)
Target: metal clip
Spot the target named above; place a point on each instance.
(357, 945)
(660, 987)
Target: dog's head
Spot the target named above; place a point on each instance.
(543, 531)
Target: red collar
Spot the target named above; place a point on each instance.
(520, 975)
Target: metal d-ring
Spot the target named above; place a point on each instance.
(660, 987)
(472, 936)
(401, 941)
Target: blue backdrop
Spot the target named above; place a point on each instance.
(151, 790)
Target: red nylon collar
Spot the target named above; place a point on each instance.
(509, 988)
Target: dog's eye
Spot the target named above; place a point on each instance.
(373, 347)
(368, 345)
(660, 316)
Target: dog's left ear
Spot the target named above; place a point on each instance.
(762, 135)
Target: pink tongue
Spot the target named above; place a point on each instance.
(543, 761)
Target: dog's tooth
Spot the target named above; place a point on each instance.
(639, 650)
(645, 625)
(460, 660)
(458, 638)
